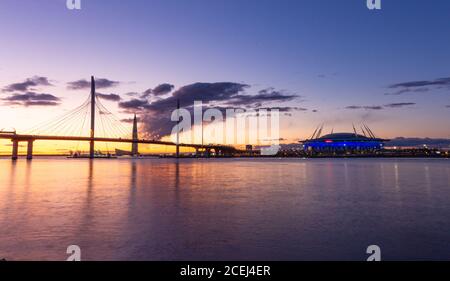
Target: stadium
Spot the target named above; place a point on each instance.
(365, 143)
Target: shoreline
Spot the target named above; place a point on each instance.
(22, 157)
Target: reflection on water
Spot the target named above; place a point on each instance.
(216, 209)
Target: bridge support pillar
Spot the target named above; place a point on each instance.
(15, 150)
(30, 150)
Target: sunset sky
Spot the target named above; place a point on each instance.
(332, 62)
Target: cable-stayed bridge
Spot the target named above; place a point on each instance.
(92, 122)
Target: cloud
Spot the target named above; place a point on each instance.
(263, 96)
(407, 90)
(155, 115)
(368, 107)
(134, 104)
(289, 108)
(205, 92)
(100, 83)
(146, 93)
(414, 84)
(323, 75)
(27, 84)
(399, 104)
(380, 107)
(110, 97)
(132, 94)
(129, 120)
(32, 99)
(163, 89)
(447, 106)
(223, 93)
(418, 86)
(159, 90)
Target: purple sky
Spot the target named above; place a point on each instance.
(338, 60)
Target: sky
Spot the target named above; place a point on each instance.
(321, 61)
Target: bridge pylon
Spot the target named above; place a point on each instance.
(15, 149)
(30, 149)
(134, 145)
(92, 135)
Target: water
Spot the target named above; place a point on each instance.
(225, 209)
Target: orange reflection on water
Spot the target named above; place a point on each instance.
(269, 209)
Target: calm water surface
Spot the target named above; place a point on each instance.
(217, 209)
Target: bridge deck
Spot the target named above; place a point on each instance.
(19, 137)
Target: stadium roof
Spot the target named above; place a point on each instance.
(366, 136)
(345, 137)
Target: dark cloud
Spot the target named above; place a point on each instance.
(110, 97)
(284, 110)
(205, 92)
(132, 94)
(399, 104)
(134, 104)
(447, 106)
(146, 93)
(159, 90)
(100, 83)
(419, 86)
(162, 89)
(28, 84)
(413, 84)
(129, 120)
(32, 99)
(289, 108)
(155, 115)
(263, 96)
(379, 107)
(407, 90)
(370, 107)
(323, 75)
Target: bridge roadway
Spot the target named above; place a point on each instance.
(16, 138)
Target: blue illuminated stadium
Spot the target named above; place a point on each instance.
(344, 143)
